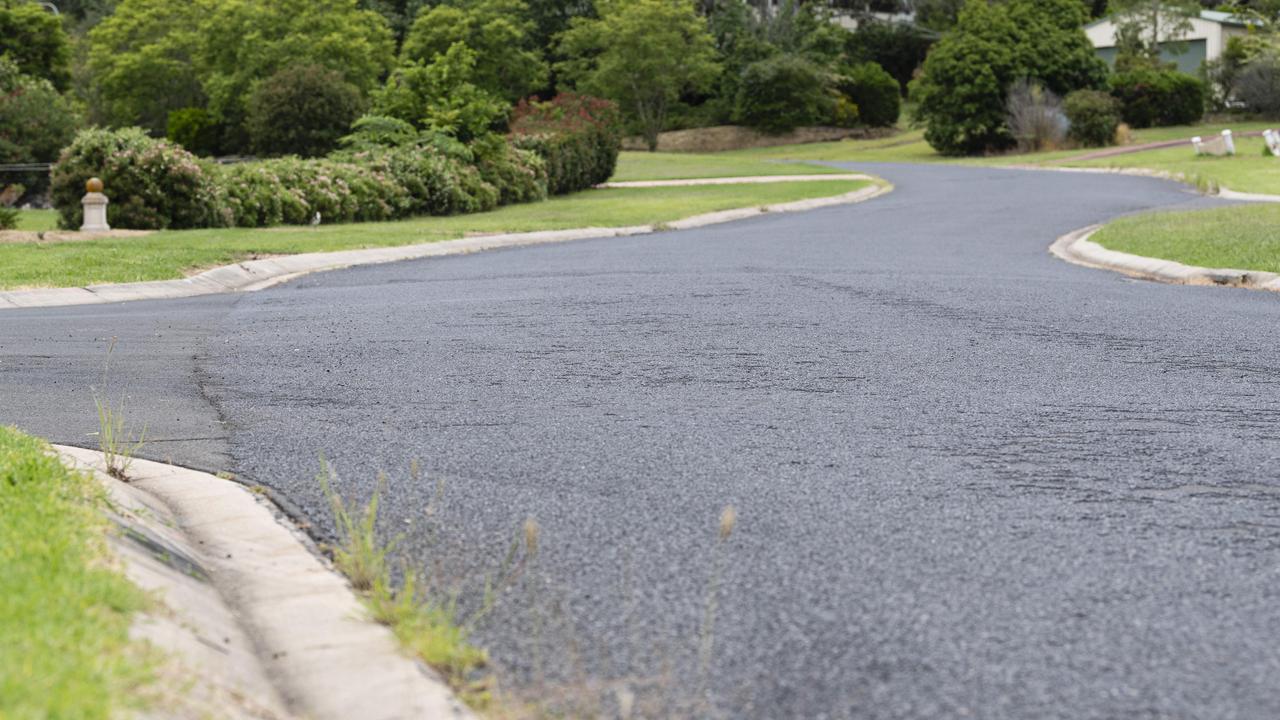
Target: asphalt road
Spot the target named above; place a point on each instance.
(971, 480)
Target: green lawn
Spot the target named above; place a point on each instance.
(1248, 171)
(64, 611)
(683, 166)
(37, 220)
(167, 255)
(1242, 237)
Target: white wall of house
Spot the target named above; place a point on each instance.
(1212, 29)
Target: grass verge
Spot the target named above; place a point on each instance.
(1241, 237)
(64, 611)
(633, 166)
(37, 220)
(1247, 171)
(169, 255)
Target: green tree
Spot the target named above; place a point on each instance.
(302, 110)
(441, 96)
(246, 41)
(498, 32)
(35, 40)
(36, 122)
(962, 91)
(141, 62)
(782, 93)
(642, 54)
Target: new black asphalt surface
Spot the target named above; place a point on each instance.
(971, 480)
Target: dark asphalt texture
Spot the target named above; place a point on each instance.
(971, 480)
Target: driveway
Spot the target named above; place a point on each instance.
(971, 480)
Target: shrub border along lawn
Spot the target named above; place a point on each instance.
(65, 610)
(170, 255)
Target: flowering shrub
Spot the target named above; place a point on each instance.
(577, 136)
(152, 184)
(520, 175)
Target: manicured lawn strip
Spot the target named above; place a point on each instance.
(64, 612)
(1247, 171)
(910, 146)
(1241, 237)
(37, 220)
(634, 166)
(168, 255)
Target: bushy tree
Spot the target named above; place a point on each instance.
(782, 93)
(1259, 86)
(899, 48)
(301, 110)
(642, 54)
(962, 92)
(1094, 117)
(155, 56)
(244, 41)
(35, 123)
(441, 96)
(498, 32)
(141, 62)
(36, 41)
(874, 91)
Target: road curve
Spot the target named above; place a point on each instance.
(971, 480)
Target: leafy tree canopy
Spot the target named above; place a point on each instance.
(642, 54)
(500, 35)
(36, 42)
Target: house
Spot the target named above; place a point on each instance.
(1205, 41)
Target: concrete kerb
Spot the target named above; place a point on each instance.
(260, 274)
(1076, 247)
(1224, 193)
(309, 632)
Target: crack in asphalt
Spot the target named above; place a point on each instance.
(972, 480)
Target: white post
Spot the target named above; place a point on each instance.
(95, 207)
(1195, 142)
(1229, 142)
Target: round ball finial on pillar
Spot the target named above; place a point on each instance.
(95, 207)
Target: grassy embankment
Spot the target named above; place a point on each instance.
(168, 255)
(64, 610)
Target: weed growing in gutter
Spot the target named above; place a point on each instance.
(115, 439)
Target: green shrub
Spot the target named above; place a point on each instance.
(1094, 117)
(301, 110)
(577, 136)
(152, 184)
(1258, 86)
(519, 175)
(437, 183)
(1158, 97)
(875, 92)
(782, 93)
(194, 129)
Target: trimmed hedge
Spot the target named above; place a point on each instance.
(578, 138)
(152, 184)
(155, 185)
(1159, 97)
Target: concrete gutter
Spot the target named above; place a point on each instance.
(289, 638)
(1076, 247)
(259, 274)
